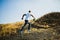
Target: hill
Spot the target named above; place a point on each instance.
(51, 19)
(45, 28)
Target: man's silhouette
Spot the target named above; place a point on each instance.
(27, 20)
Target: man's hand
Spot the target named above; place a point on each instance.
(34, 19)
(22, 18)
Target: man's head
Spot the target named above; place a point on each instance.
(29, 11)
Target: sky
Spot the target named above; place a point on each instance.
(12, 10)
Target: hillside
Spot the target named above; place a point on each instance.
(51, 19)
(45, 28)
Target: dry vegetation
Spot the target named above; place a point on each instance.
(45, 28)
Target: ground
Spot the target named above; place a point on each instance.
(45, 28)
(35, 34)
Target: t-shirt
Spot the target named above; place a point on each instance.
(28, 15)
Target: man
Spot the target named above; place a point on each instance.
(27, 20)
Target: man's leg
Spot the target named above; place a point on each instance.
(29, 26)
(24, 25)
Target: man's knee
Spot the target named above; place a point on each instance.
(29, 23)
(24, 24)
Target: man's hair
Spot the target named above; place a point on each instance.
(29, 11)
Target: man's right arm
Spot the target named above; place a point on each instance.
(23, 16)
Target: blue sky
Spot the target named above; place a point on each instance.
(12, 10)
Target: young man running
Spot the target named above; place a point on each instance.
(27, 20)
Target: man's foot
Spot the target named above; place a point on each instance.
(21, 32)
(29, 31)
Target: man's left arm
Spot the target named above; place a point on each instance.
(33, 17)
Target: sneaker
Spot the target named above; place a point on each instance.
(29, 31)
(21, 32)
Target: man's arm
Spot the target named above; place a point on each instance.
(23, 16)
(33, 16)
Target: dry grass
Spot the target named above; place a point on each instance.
(9, 32)
(40, 30)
